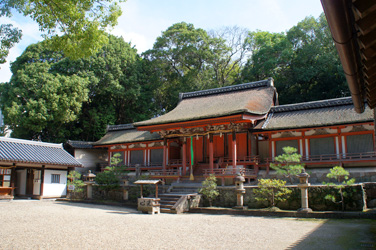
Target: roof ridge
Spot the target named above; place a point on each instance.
(120, 127)
(313, 104)
(80, 142)
(250, 85)
(45, 144)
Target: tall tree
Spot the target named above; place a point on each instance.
(182, 60)
(8, 37)
(36, 102)
(228, 66)
(303, 62)
(76, 27)
(111, 84)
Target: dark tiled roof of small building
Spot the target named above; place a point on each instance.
(24, 151)
(314, 114)
(125, 133)
(248, 98)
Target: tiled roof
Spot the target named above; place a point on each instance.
(80, 144)
(24, 151)
(314, 114)
(248, 98)
(125, 133)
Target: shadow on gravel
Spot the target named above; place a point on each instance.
(339, 234)
(110, 208)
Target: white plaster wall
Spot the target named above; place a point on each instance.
(90, 158)
(55, 189)
(21, 182)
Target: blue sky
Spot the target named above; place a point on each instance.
(144, 20)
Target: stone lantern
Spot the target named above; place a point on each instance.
(240, 191)
(303, 185)
(89, 180)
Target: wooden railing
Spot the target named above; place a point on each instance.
(333, 157)
(166, 172)
(230, 172)
(244, 159)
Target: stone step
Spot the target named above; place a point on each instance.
(184, 190)
(167, 211)
(167, 202)
(166, 206)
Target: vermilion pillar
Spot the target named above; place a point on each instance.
(211, 154)
(164, 153)
(184, 156)
(234, 153)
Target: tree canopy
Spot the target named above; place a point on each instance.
(56, 98)
(184, 59)
(303, 62)
(76, 27)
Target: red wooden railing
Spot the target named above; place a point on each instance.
(167, 172)
(230, 172)
(333, 157)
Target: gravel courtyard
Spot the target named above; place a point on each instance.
(60, 225)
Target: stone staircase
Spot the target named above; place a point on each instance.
(179, 197)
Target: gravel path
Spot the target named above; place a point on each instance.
(61, 225)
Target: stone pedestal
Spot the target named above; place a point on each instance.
(89, 189)
(148, 205)
(304, 197)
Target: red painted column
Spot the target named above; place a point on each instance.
(164, 153)
(234, 153)
(184, 156)
(211, 154)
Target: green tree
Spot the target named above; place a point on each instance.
(303, 62)
(339, 174)
(8, 37)
(227, 67)
(107, 181)
(288, 163)
(271, 190)
(37, 103)
(107, 88)
(74, 179)
(181, 61)
(209, 188)
(76, 27)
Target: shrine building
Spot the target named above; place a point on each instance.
(31, 169)
(241, 129)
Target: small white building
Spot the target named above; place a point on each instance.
(34, 169)
(91, 158)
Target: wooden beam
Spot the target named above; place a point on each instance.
(42, 181)
(369, 63)
(368, 40)
(369, 52)
(363, 7)
(367, 23)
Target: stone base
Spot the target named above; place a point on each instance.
(304, 210)
(241, 207)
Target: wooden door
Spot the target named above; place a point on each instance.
(29, 181)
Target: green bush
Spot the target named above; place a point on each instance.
(271, 190)
(209, 188)
(339, 174)
(288, 163)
